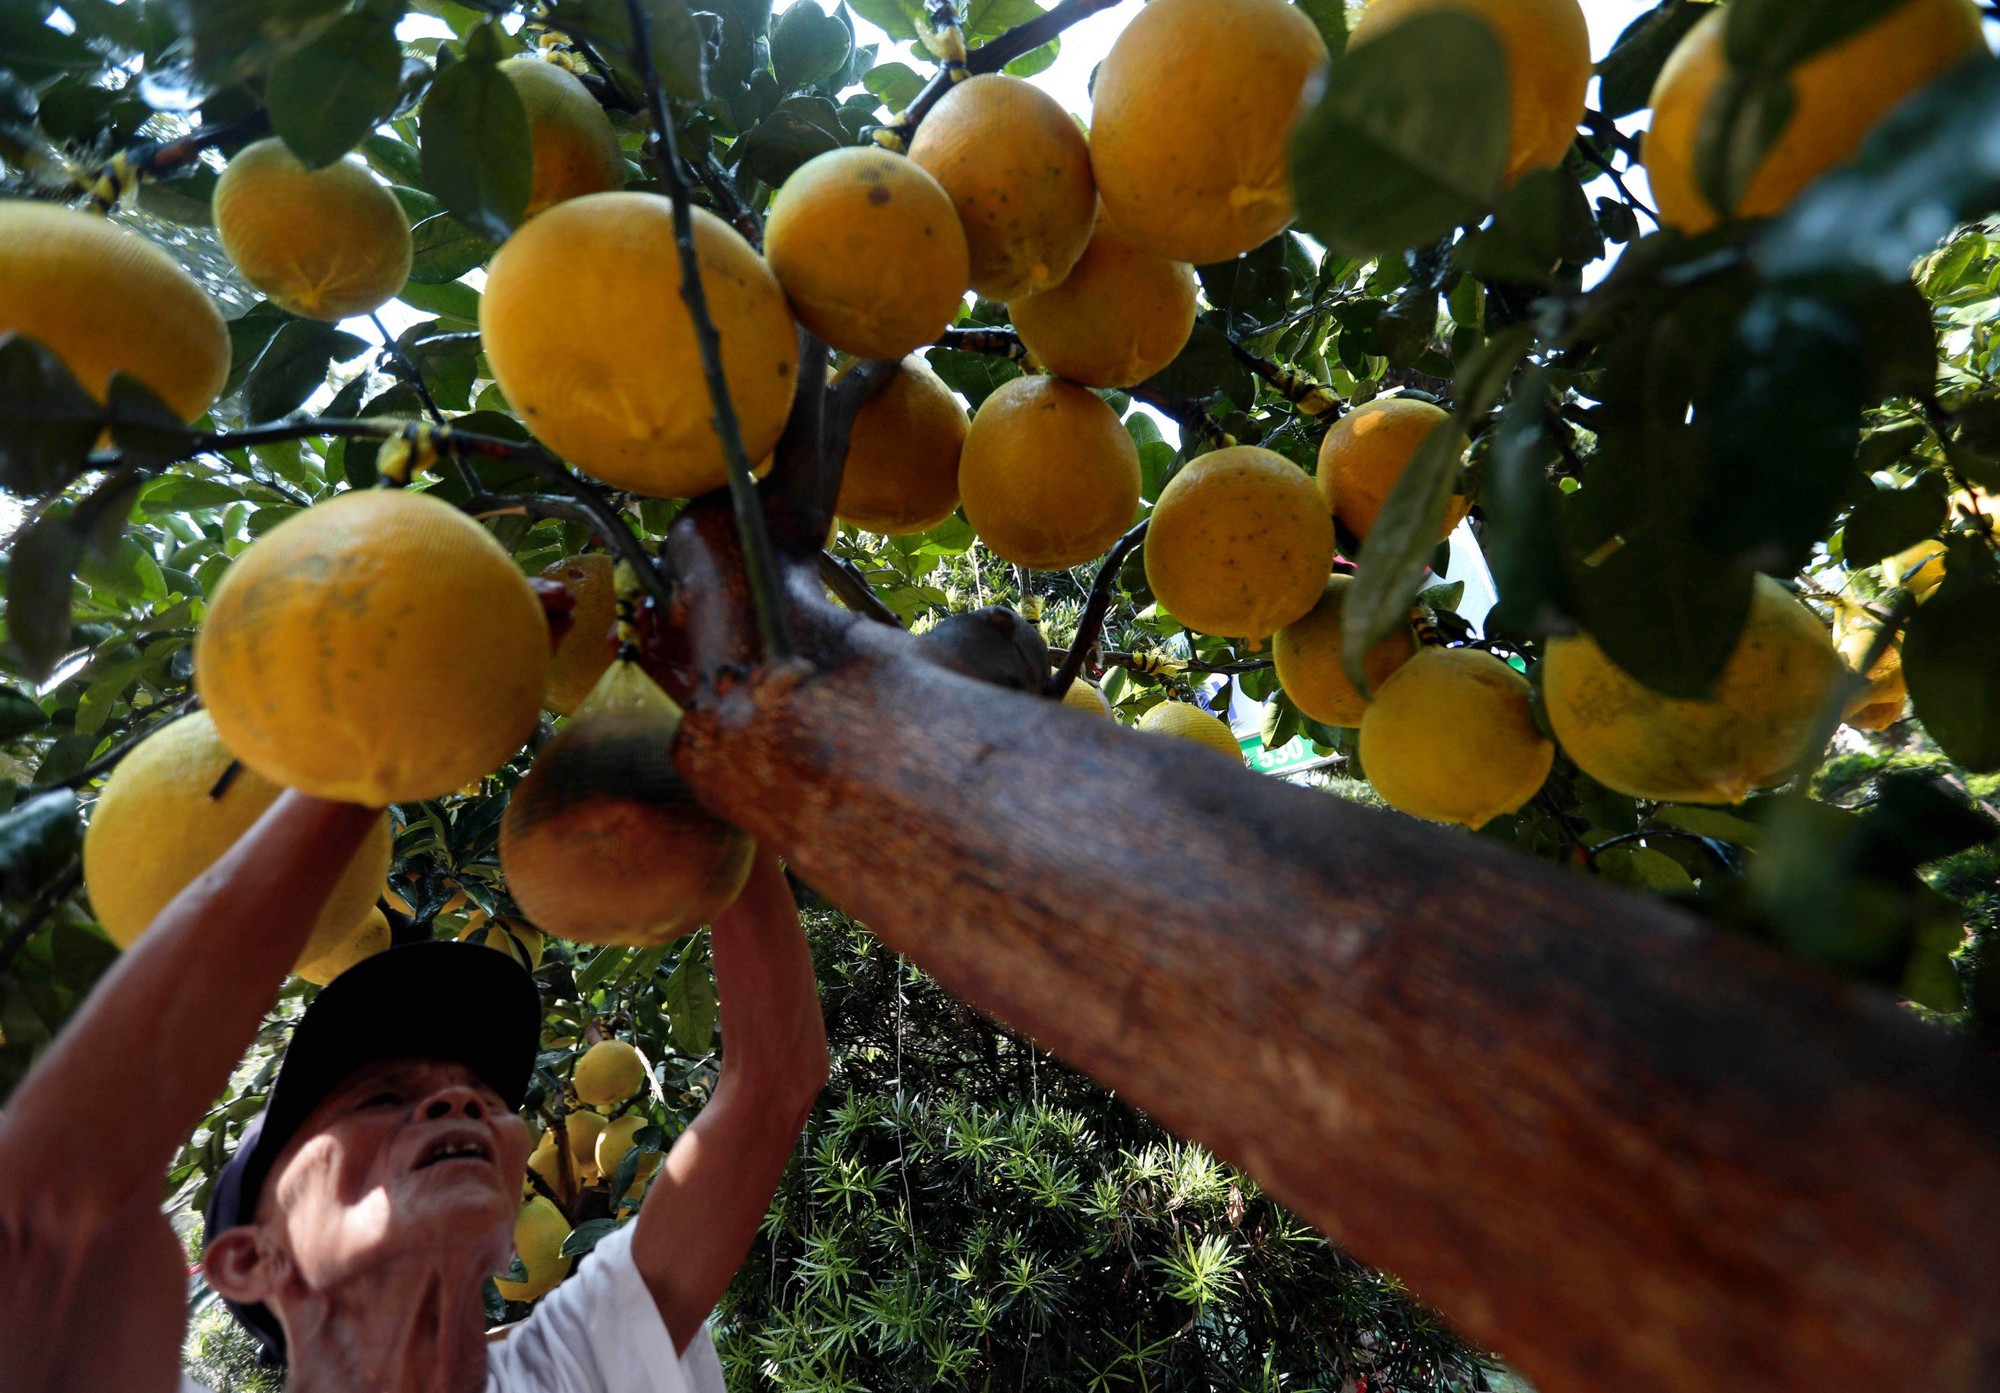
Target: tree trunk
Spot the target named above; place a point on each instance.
(1627, 1152)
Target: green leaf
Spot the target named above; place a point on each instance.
(1543, 221)
(602, 964)
(250, 333)
(48, 422)
(326, 96)
(587, 1235)
(1035, 60)
(689, 1000)
(1642, 868)
(36, 840)
(443, 249)
(1951, 660)
(473, 133)
(40, 575)
(1399, 547)
(294, 366)
(1887, 521)
(1773, 36)
(454, 301)
(1254, 288)
(1709, 822)
(901, 20)
(897, 84)
(1330, 18)
(1408, 139)
(230, 39)
(1628, 72)
(808, 45)
(395, 160)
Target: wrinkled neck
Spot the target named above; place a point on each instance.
(418, 1326)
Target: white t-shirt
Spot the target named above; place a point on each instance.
(599, 1332)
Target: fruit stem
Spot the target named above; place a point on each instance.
(1090, 623)
(760, 563)
(59, 891)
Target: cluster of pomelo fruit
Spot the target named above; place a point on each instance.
(320, 662)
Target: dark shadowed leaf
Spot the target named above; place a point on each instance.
(1627, 74)
(250, 333)
(1786, 418)
(294, 366)
(1742, 120)
(326, 96)
(1523, 537)
(36, 840)
(1408, 138)
(229, 39)
(1773, 36)
(145, 429)
(799, 129)
(1932, 164)
(443, 249)
(47, 420)
(39, 576)
(1399, 547)
(474, 139)
(19, 714)
(1951, 660)
(807, 45)
(1206, 369)
(1886, 521)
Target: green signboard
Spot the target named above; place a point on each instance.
(1294, 757)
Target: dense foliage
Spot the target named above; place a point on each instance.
(1656, 420)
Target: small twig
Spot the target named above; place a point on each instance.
(1143, 663)
(1090, 623)
(1191, 418)
(415, 377)
(39, 912)
(845, 580)
(1561, 820)
(760, 564)
(547, 1192)
(153, 158)
(1605, 167)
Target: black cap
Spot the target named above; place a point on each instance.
(441, 999)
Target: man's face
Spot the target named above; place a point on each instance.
(406, 1155)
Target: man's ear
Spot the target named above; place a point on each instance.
(241, 1265)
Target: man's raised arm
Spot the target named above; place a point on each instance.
(699, 1218)
(160, 1034)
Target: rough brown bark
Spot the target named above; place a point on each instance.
(1627, 1152)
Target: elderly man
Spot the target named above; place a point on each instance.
(363, 1210)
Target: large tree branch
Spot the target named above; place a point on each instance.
(1626, 1150)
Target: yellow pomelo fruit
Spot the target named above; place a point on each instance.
(1720, 749)
(1840, 94)
(587, 646)
(324, 243)
(106, 300)
(603, 842)
(616, 1140)
(1240, 544)
(1547, 45)
(584, 1128)
(377, 648)
(575, 150)
(539, 1233)
(1880, 704)
(1191, 124)
(1364, 453)
(1018, 172)
(1085, 697)
(1308, 658)
(1920, 569)
(1049, 476)
(517, 938)
(869, 250)
(1451, 737)
(609, 1073)
(584, 325)
(1122, 314)
(901, 474)
(368, 937)
(156, 827)
(1190, 722)
(546, 1163)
